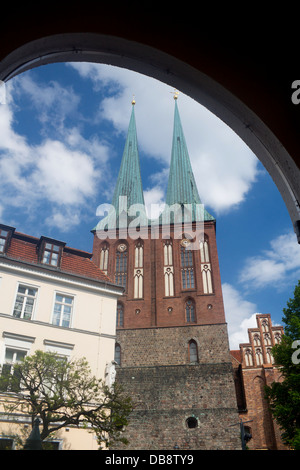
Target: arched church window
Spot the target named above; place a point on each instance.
(256, 339)
(270, 358)
(138, 274)
(193, 351)
(277, 337)
(104, 257)
(187, 265)
(206, 267)
(120, 315)
(168, 269)
(264, 325)
(121, 265)
(117, 354)
(248, 357)
(267, 339)
(259, 356)
(190, 313)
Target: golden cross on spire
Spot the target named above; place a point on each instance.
(133, 100)
(175, 93)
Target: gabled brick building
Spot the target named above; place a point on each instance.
(253, 369)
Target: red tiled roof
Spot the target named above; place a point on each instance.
(236, 354)
(24, 248)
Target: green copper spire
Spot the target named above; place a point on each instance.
(128, 199)
(129, 181)
(182, 187)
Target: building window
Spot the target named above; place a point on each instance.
(270, 359)
(192, 422)
(256, 339)
(12, 357)
(120, 315)
(118, 354)
(138, 274)
(259, 357)
(190, 311)
(121, 265)
(3, 240)
(248, 358)
(25, 301)
(277, 338)
(168, 269)
(187, 268)
(51, 254)
(193, 351)
(63, 308)
(267, 339)
(264, 325)
(7, 443)
(206, 267)
(104, 258)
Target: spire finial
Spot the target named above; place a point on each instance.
(176, 93)
(133, 100)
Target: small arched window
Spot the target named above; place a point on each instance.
(120, 315)
(190, 314)
(118, 354)
(104, 257)
(193, 351)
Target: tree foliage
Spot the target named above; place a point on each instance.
(64, 393)
(284, 396)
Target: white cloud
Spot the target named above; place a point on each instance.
(154, 202)
(240, 315)
(275, 266)
(63, 219)
(64, 172)
(224, 167)
(62, 175)
(52, 102)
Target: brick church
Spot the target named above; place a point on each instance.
(172, 349)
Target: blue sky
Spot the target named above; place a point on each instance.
(63, 129)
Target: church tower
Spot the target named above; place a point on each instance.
(172, 345)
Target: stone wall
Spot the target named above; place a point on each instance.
(170, 393)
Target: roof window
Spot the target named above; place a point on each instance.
(50, 251)
(6, 233)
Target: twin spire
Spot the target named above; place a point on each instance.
(181, 189)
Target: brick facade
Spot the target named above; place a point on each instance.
(179, 400)
(253, 369)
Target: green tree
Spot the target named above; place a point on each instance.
(64, 393)
(284, 396)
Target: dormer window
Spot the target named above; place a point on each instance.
(3, 238)
(6, 233)
(51, 254)
(50, 251)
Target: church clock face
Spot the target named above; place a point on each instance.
(122, 247)
(185, 242)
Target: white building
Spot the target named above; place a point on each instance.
(54, 298)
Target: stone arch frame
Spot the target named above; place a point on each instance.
(104, 48)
